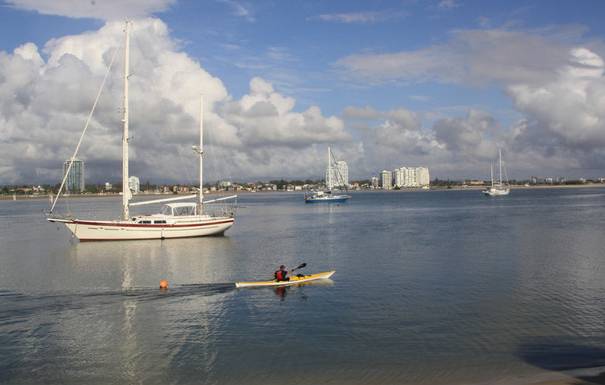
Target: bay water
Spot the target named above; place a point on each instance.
(431, 287)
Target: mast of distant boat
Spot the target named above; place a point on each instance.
(329, 181)
(125, 186)
(491, 172)
(500, 164)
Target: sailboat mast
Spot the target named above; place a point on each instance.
(491, 172)
(201, 150)
(500, 164)
(329, 181)
(125, 187)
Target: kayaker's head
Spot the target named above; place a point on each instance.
(282, 267)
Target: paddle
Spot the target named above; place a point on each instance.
(299, 267)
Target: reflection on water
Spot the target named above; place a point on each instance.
(431, 288)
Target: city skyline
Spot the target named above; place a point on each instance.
(463, 79)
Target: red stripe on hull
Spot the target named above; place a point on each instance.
(159, 226)
(149, 239)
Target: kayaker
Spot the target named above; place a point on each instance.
(281, 274)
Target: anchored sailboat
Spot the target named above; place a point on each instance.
(176, 220)
(497, 188)
(327, 196)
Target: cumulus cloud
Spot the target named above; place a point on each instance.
(466, 135)
(95, 9)
(265, 118)
(44, 104)
(46, 93)
(556, 83)
(393, 138)
(460, 146)
(567, 114)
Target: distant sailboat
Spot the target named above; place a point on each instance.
(499, 188)
(176, 220)
(327, 196)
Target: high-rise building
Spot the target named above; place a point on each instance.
(375, 183)
(338, 173)
(398, 177)
(134, 184)
(424, 178)
(411, 177)
(342, 173)
(386, 180)
(75, 179)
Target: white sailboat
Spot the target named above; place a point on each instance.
(175, 220)
(499, 188)
(327, 196)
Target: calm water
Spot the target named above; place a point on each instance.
(431, 288)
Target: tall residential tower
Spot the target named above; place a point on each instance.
(75, 180)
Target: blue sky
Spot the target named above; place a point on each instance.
(444, 59)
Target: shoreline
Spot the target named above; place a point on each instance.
(21, 197)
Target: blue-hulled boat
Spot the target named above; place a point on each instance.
(325, 197)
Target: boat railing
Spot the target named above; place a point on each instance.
(221, 209)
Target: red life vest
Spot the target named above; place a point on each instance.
(279, 275)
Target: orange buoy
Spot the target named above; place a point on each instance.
(163, 284)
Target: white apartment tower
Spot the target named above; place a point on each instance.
(338, 173)
(386, 179)
(398, 177)
(424, 178)
(134, 184)
(411, 177)
(343, 173)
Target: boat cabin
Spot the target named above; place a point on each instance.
(179, 209)
(170, 213)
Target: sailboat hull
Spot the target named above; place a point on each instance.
(327, 199)
(495, 192)
(124, 230)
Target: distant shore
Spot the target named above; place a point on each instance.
(523, 187)
(433, 188)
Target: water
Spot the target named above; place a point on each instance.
(436, 287)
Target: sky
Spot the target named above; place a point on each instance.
(436, 83)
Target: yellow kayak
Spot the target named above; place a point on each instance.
(293, 280)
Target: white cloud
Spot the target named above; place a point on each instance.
(473, 136)
(469, 57)
(44, 103)
(448, 4)
(241, 9)
(554, 82)
(464, 146)
(44, 100)
(367, 17)
(266, 118)
(571, 107)
(95, 9)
